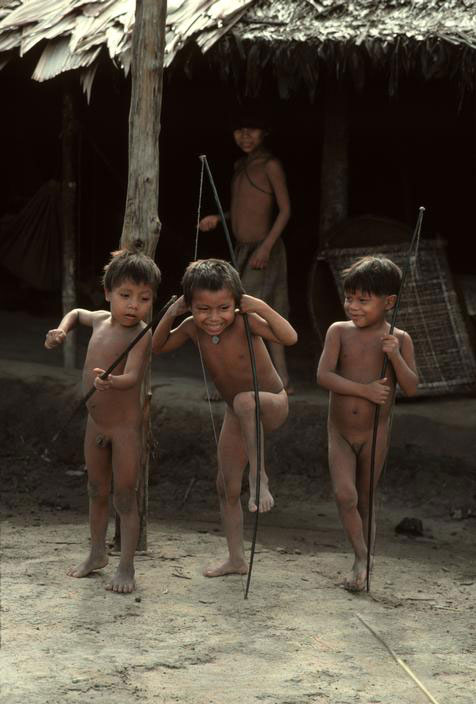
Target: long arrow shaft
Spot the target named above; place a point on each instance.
(406, 269)
(399, 661)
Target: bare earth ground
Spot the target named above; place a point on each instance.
(184, 638)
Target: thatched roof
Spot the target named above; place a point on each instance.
(75, 31)
(298, 38)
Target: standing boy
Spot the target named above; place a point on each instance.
(260, 210)
(349, 367)
(213, 292)
(112, 444)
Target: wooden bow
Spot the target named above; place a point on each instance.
(249, 339)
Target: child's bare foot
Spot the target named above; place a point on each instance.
(228, 567)
(123, 581)
(266, 501)
(93, 562)
(356, 582)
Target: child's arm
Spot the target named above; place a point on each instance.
(75, 317)
(277, 179)
(402, 358)
(165, 339)
(136, 360)
(375, 391)
(266, 322)
(210, 222)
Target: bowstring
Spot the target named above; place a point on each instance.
(199, 212)
(254, 374)
(204, 372)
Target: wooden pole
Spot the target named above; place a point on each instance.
(68, 197)
(335, 159)
(141, 227)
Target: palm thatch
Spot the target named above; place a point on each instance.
(75, 31)
(298, 39)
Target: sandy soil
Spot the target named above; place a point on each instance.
(183, 638)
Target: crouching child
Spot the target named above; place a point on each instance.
(212, 291)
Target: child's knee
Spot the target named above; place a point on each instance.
(227, 492)
(125, 500)
(244, 403)
(98, 491)
(346, 498)
(363, 505)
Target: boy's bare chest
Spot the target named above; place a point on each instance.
(251, 181)
(108, 343)
(227, 356)
(360, 353)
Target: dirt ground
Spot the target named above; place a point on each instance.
(184, 638)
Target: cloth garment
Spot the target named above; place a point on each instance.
(271, 283)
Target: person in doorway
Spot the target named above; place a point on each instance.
(213, 292)
(260, 210)
(112, 444)
(349, 368)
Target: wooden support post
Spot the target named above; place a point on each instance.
(335, 159)
(68, 198)
(141, 227)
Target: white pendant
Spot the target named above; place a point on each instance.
(215, 339)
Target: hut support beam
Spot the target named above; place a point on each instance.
(141, 227)
(335, 160)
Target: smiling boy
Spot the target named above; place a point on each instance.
(213, 292)
(349, 368)
(112, 444)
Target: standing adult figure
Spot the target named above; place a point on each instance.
(259, 212)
